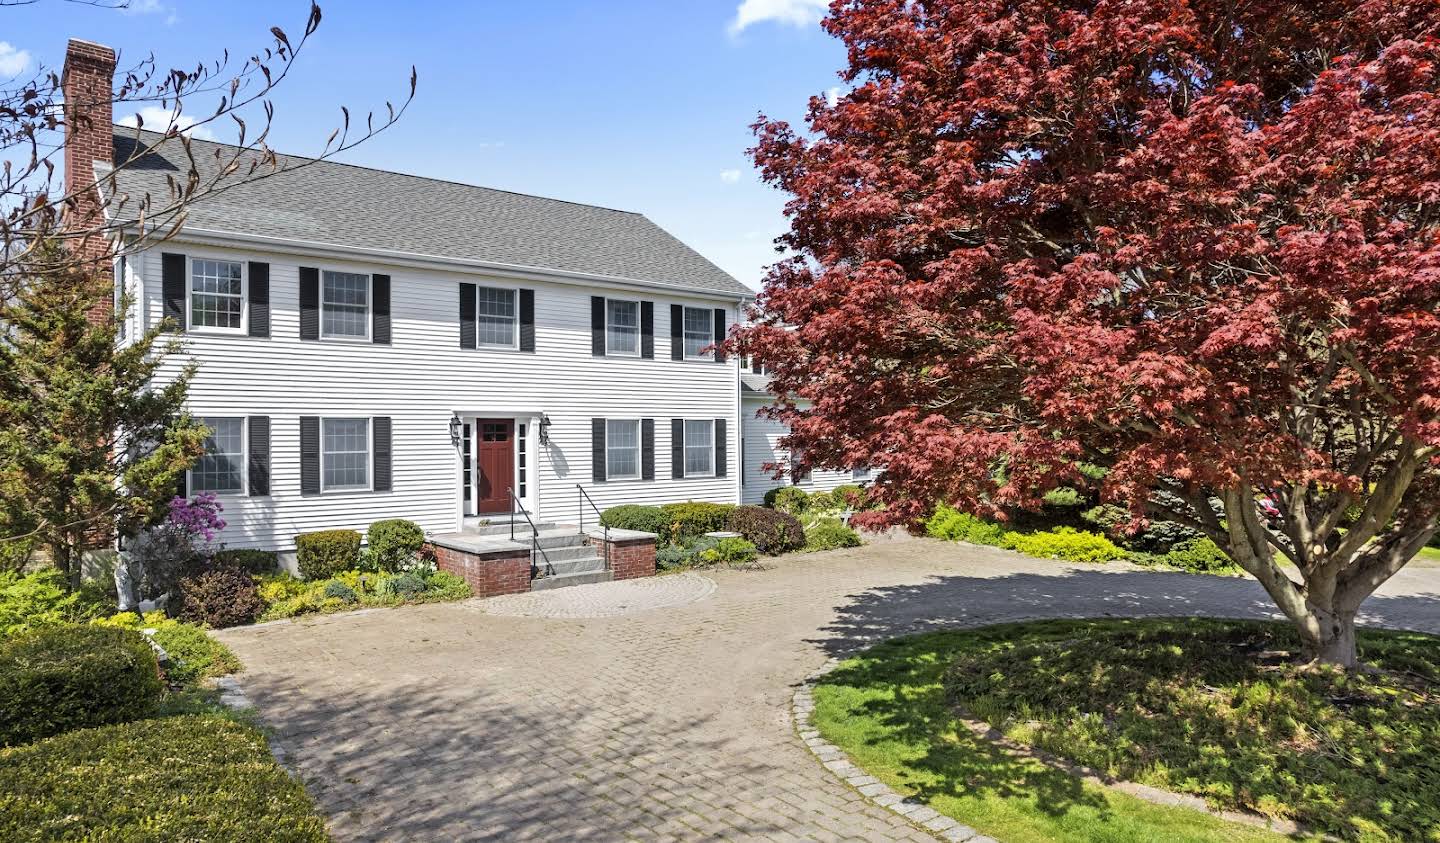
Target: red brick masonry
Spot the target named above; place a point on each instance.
(629, 558)
(489, 574)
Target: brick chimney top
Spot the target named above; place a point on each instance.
(86, 84)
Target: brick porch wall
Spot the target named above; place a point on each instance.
(629, 558)
(489, 574)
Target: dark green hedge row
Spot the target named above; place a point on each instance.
(196, 777)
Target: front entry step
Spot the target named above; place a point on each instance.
(577, 578)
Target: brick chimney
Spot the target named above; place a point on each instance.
(86, 84)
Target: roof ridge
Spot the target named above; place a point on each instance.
(130, 130)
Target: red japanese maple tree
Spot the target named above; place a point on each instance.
(1191, 242)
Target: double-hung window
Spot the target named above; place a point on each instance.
(699, 447)
(219, 471)
(699, 331)
(622, 449)
(345, 454)
(622, 327)
(217, 294)
(495, 318)
(345, 305)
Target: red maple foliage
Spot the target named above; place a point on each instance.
(1191, 242)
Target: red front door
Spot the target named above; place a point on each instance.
(494, 464)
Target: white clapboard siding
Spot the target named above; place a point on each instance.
(762, 437)
(423, 378)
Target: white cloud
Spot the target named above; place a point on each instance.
(729, 176)
(158, 119)
(832, 96)
(150, 7)
(12, 61)
(792, 12)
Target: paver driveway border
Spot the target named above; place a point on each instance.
(444, 722)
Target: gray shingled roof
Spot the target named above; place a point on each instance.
(753, 384)
(350, 206)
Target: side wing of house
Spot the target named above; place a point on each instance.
(761, 447)
(347, 391)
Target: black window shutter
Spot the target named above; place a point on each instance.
(677, 332)
(722, 442)
(647, 330)
(259, 299)
(258, 430)
(467, 315)
(380, 309)
(309, 303)
(182, 484)
(309, 455)
(383, 481)
(172, 283)
(677, 449)
(647, 449)
(597, 450)
(597, 326)
(527, 320)
(722, 323)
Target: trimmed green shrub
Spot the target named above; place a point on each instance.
(252, 560)
(407, 585)
(322, 555)
(391, 543)
(830, 535)
(820, 503)
(71, 677)
(443, 585)
(646, 519)
(670, 556)
(276, 587)
(789, 499)
(730, 551)
(340, 591)
(850, 495)
(771, 531)
(194, 655)
(1201, 556)
(693, 519)
(220, 597)
(196, 777)
(1064, 543)
(952, 525)
(683, 555)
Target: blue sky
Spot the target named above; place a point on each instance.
(623, 103)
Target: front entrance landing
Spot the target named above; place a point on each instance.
(510, 558)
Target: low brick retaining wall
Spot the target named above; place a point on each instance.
(490, 572)
(632, 553)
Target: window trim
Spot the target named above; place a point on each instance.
(709, 332)
(190, 326)
(369, 457)
(609, 346)
(515, 335)
(369, 307)
(244, 462)
(639, 449)
(685, 425)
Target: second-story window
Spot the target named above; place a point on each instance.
(217, 294)
(622, 327)
(495, 317)
(345, 305)
(699, 331)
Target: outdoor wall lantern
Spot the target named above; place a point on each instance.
(544, 429)
(455, 431)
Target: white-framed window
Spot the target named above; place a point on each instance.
(496, 319)
(699, 331)
(699, 447)
(217, 295)
(622, 327)
(858, 474)
(221, 469)
(344, 305)
(622, 449)
(344, 454)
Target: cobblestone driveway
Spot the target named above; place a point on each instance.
(445, 722)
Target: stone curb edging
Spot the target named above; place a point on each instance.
(802, 706)
(234, 697)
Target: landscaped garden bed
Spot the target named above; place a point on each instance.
(1223, 710)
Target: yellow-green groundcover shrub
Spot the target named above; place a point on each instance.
(286, 597)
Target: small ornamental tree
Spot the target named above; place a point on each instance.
(1195, 245)
(89, 440)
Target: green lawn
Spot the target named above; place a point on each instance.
(1428, 554)
(1356, 759)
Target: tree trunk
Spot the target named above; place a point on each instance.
(1335, 645)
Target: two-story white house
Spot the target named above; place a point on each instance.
(378, 345)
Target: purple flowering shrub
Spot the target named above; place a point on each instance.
(178, 545)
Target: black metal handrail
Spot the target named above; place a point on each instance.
(584, 499)
(534, 538)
